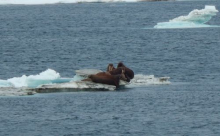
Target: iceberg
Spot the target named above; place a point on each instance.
(196, 18)
(5, 83)
(46, 77)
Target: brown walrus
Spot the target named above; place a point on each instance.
(117, 71)
(105, 78)
(128, 72)
(110, 67)
(113, 75)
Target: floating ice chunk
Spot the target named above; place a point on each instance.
(78, 78)
(11, 91)
(74, 86)
(18, 81)
(49, 74)
(5, 83)
(168, 25)
(139, 80)
(196, 18)
(46, 77)
(33, 83)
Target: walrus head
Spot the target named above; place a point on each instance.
(126, 71)
(120, 64)
(110, 67)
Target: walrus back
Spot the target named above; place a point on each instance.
(116, 71)
(105, 79)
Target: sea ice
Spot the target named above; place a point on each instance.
(196, 18)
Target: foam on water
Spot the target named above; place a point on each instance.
(144, 80)
(196, 18)
(37, 2)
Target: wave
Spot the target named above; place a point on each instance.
(143, 80)
(196, 18)
(41, 2)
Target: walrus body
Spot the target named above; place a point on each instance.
(128, 72)
(120, 71)
(113, 75)
(105, 78)
(116, 71)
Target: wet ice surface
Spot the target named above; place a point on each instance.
(11, 91)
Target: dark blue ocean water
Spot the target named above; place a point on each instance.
(67, 37)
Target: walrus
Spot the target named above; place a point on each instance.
(117, 71)
(128, 72)
(112, 75)
(110, 67)
(120, 71)
(105, 78)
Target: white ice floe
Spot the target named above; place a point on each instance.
(51, 81)
(5, 83)
(139, 80)
(11, 91)
(74, 86)
(46, 77)
(35, 80)
(196, 18)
